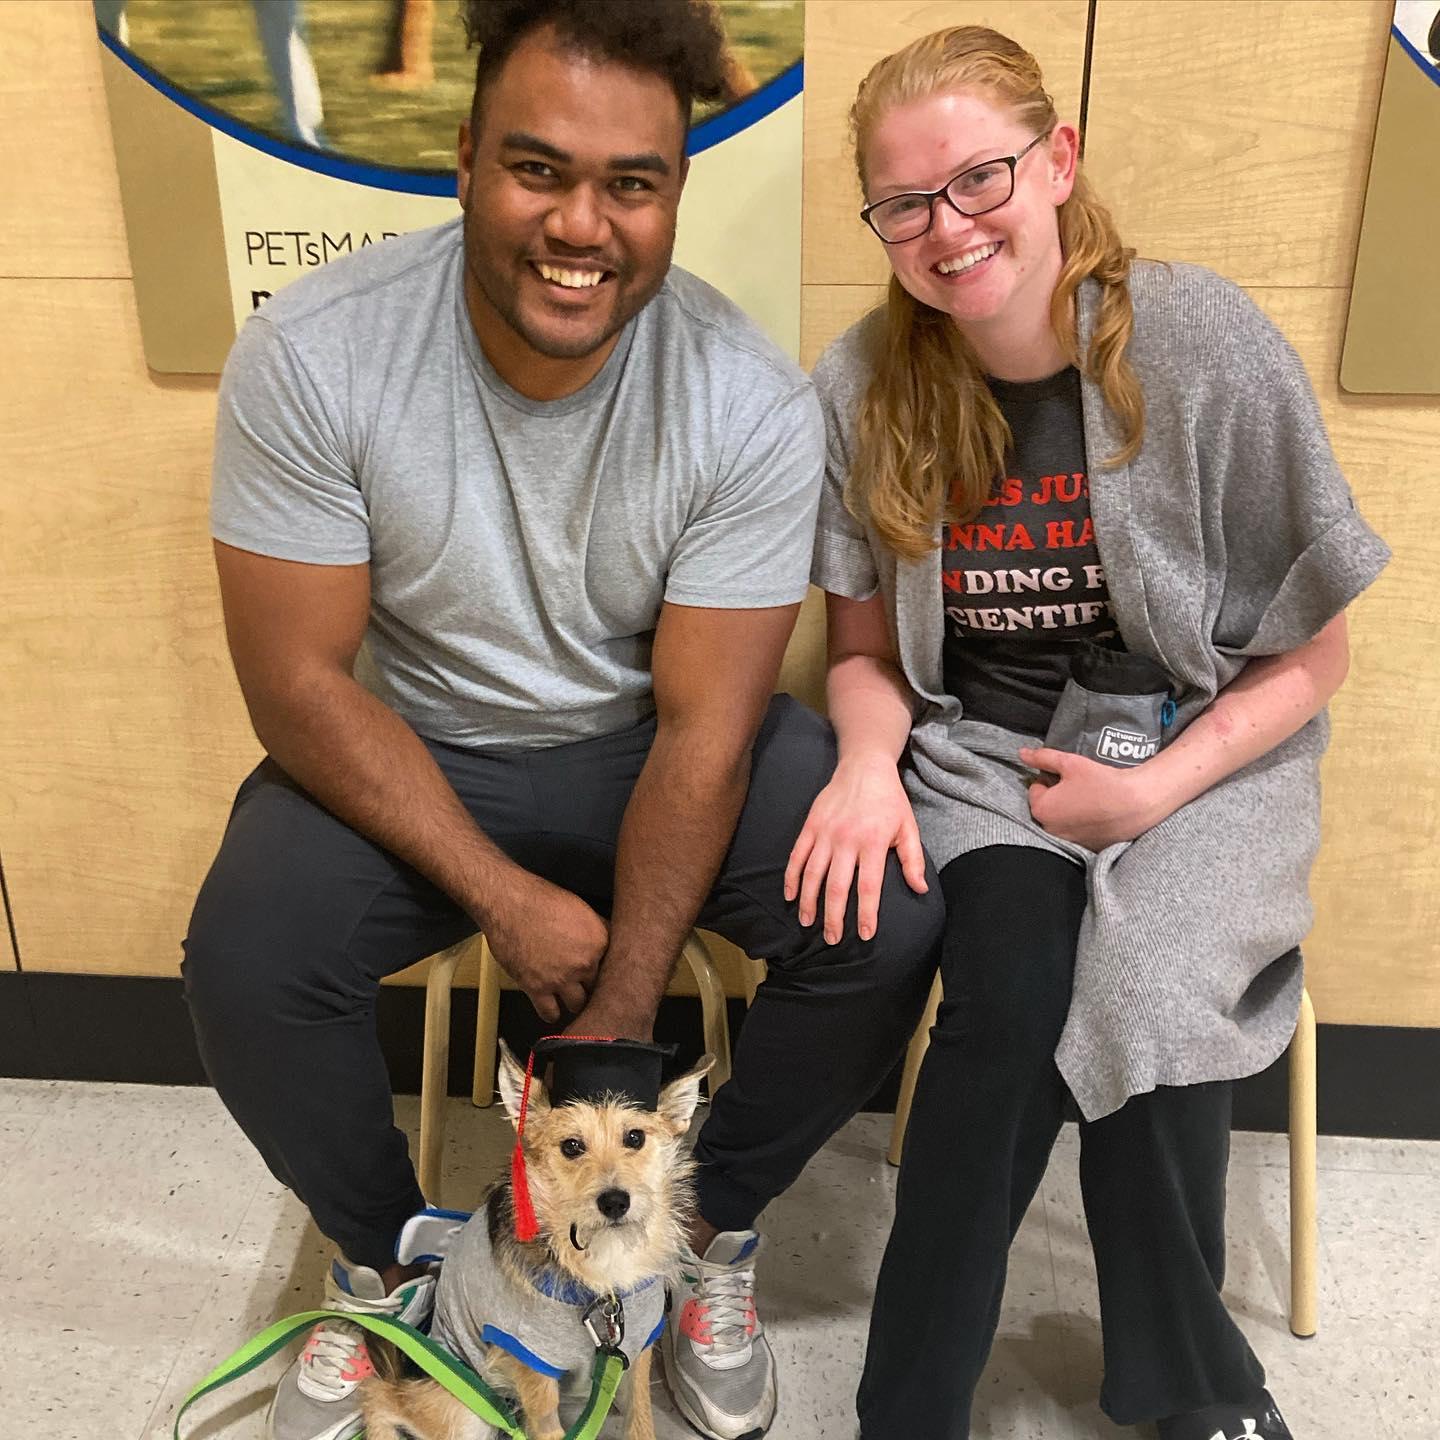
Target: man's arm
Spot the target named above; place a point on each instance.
(714, 673)
(294, 631)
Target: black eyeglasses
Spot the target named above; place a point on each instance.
(975, 191)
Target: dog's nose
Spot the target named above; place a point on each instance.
(613, 1203)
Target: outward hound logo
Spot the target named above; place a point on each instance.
(1125, 747)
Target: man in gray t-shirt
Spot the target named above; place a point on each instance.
(512, 519)
(519, 550)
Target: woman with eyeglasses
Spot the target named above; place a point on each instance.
(1087, 553)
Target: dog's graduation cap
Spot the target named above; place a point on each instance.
(583, 1067)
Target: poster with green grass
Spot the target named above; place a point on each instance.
(257, 139)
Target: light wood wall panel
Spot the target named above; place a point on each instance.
(125, 735)
(1237, 135)
(827, 311)
(843, 39)
(60, 202)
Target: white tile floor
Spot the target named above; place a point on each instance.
(144, 1241)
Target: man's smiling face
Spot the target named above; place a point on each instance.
(571, 183)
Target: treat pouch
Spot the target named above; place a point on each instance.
(1116, 707)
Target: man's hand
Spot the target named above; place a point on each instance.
(549, 942)
(1091, 804)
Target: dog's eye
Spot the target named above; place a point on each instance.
(572, 1149)
(634, 1139)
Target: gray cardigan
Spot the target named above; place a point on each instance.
(1231, 535)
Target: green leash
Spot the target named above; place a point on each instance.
(438, 1363)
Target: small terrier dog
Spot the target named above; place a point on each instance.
(610, 1184)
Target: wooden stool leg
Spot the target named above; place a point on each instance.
(712, 1010)
(1303, 1234)
(487, 1027)
(755, 973)
(435, 1069)
(919, 1044)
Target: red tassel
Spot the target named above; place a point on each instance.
(526, 1225)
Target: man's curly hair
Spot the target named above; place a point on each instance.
(679, 40)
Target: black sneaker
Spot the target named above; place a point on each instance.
(1258, 1419)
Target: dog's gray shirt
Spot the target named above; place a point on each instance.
(477, 1304)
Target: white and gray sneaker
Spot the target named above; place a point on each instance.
(717, 1359)
(316, 1398)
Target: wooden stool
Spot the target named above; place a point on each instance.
(1303, 1234)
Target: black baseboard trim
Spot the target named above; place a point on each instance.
(1373, 1080)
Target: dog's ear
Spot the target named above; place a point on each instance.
(512, 1085)
(680, 1097)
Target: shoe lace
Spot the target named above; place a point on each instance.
(335, 1358)
(727, 1299)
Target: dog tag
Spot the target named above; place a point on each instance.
(604, 1322)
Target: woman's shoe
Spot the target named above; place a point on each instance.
(1257, 1419)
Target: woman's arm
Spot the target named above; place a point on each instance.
(1098, 805)
(863, 813)
(867, 697)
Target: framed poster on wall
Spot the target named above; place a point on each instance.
(256, 139)
(1392, 337)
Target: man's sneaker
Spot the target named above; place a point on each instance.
(316, 1398)
(1259, 1419)
(717, 1360)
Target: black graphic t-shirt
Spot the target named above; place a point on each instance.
(1022, 581)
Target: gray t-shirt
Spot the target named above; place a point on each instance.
(519, 551)
(477, 1304)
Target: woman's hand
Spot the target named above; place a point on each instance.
(856, 820)
(1091, 804)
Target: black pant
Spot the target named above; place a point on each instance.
(301, 917)
(988, 1105)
